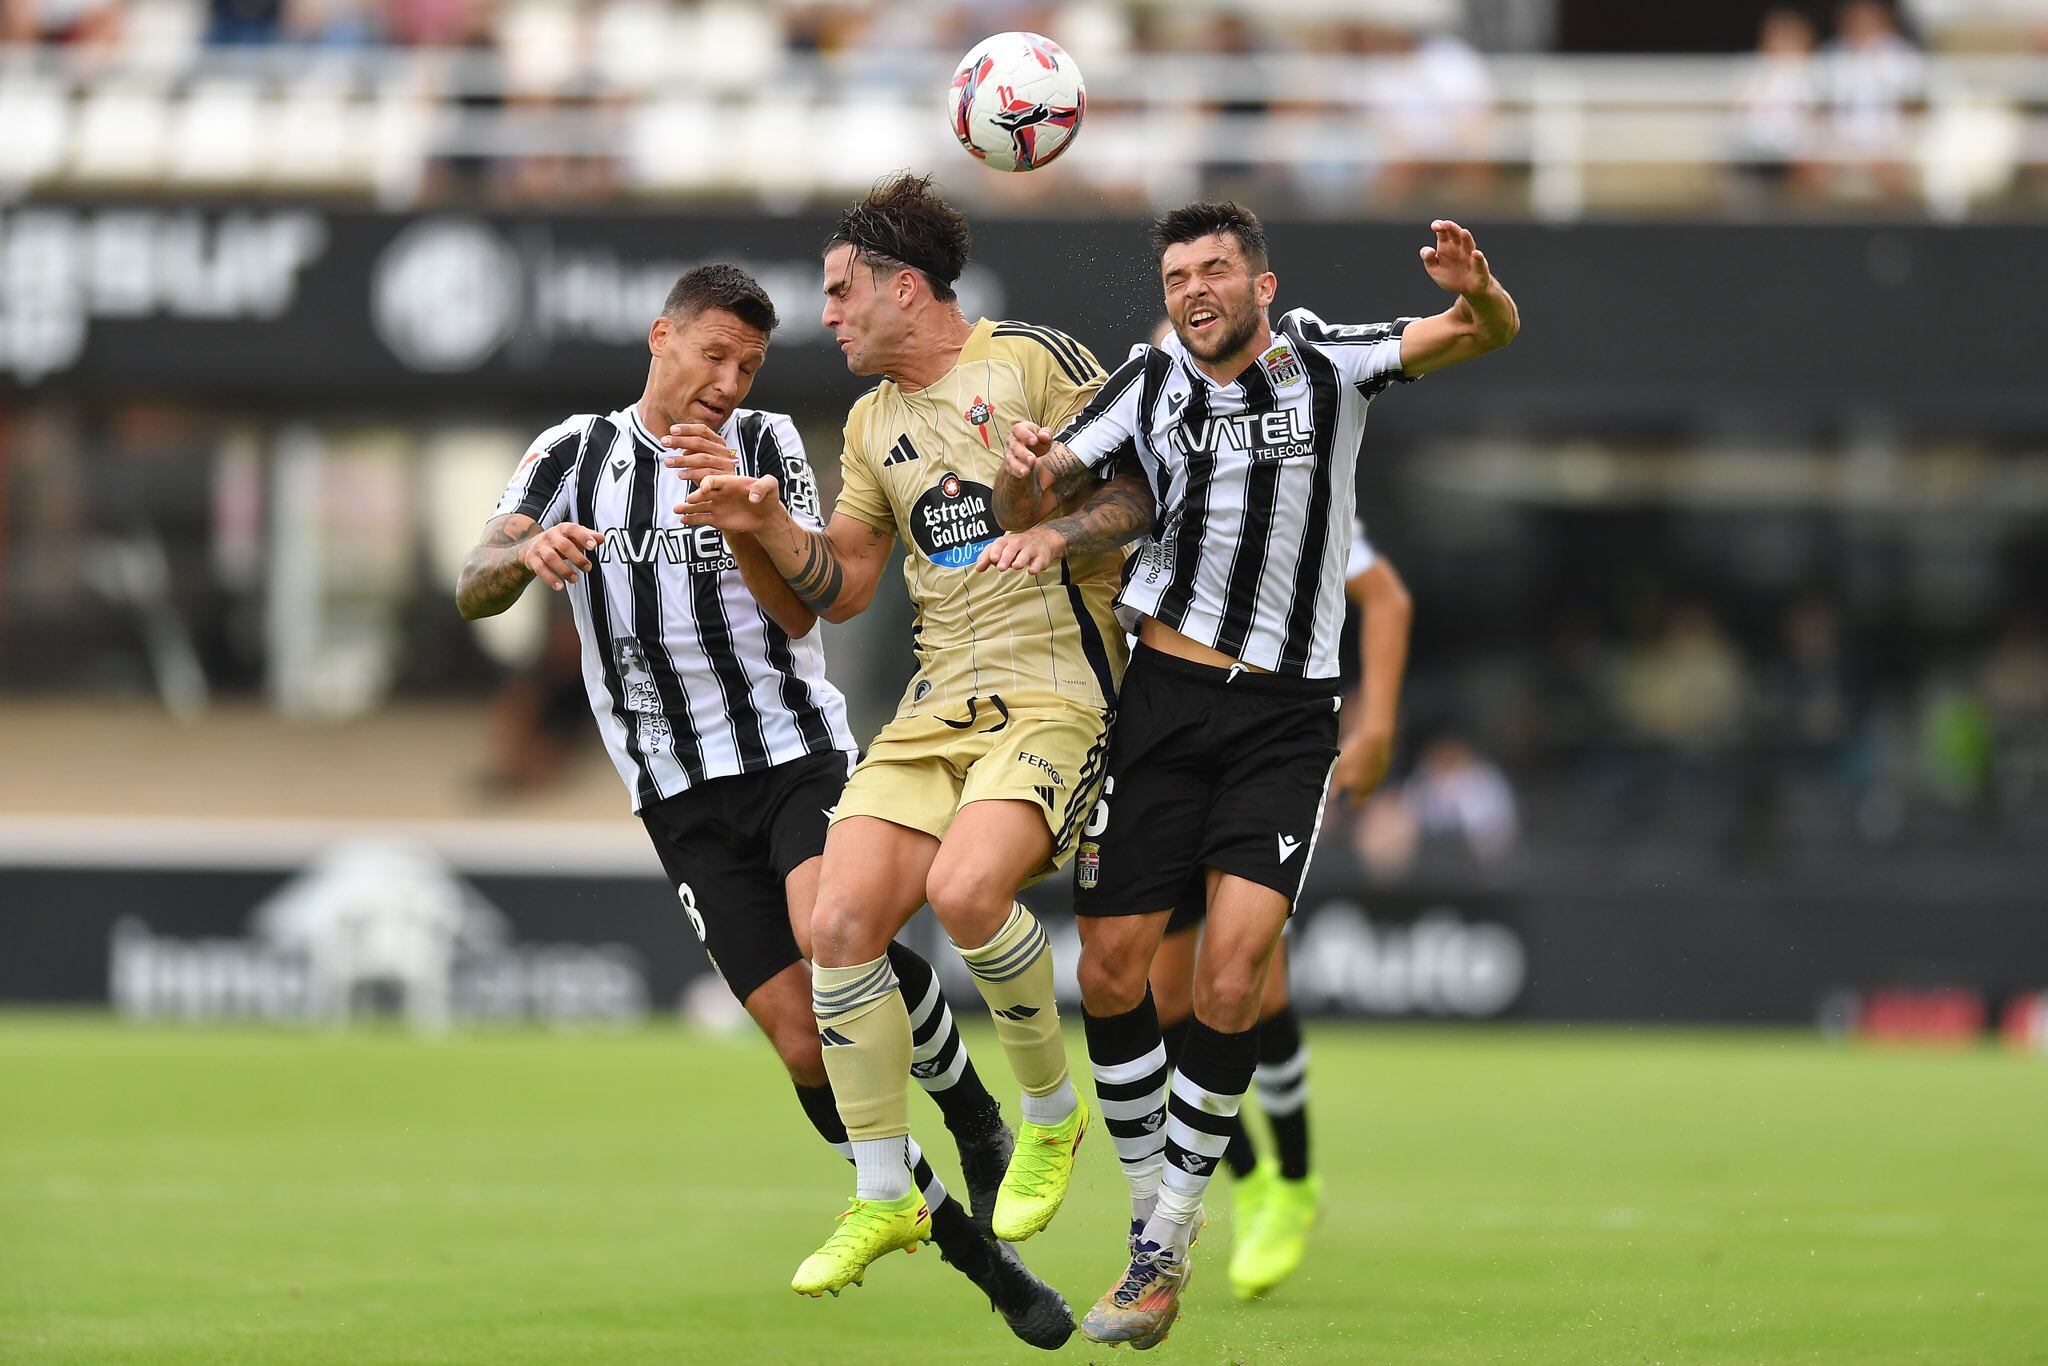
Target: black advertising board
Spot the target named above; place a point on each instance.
(304, 306)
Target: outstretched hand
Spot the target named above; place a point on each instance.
(1455, 262)
(732, 502)
(1029, 443)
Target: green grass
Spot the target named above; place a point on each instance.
(1516, 1196)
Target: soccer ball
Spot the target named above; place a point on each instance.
(1017, 101)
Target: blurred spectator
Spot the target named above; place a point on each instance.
(1872, 75)
(1456, 806)
(84, 23)
(1687, 692)
(1431, 108)
(244, 23)
(1809, 695)
(2014, 685)
(333, 23)
(438, 23)
(1778, 103)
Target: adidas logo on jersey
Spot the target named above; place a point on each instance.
(899, 452)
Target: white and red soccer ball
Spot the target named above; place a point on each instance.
(1016, 102)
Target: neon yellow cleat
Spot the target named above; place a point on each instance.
(1271, 1249)
(868, 1230)
(1249, 1197)
(1036, 1182)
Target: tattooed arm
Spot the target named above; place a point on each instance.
(515, 550)
(832, 572)
(1039, 477)
(1116, 514)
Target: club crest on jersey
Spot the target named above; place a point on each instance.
(979, 414)
(954, 521)
(1282, 365)
(1088, 865)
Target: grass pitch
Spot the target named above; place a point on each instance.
(1517, 1196)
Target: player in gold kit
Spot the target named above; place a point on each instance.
(981, 783)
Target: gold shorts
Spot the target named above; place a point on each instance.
(921, 770)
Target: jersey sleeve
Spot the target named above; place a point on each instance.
(1109, 427)
(1060, 374)
(1367, 355)
(546, 478)
(1362, 557)
(778, 449)
(861, 494)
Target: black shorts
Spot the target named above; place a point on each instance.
(728, 844)
(1208, 768)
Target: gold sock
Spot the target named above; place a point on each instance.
(1014, 972)
(865, 1030)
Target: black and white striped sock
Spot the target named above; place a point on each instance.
(1128, 1058)
(938, 1055)
(1208, 1086)
(1282, 1086)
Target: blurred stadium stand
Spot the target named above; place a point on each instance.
(1729, 575)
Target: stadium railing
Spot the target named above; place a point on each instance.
(1559, 137)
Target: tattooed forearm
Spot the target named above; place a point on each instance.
(1065, 476)
(818, 578)
(1117, 513)
(1019, 502)
(492, 577)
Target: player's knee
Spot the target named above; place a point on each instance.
(968, 900)
(1111, 985)
(1228, 997)
(841, 936)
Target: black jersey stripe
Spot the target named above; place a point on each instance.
(644, 575)
(765, 457)
(1248, 558)
(1187, 533)
(1113, 389)
(590, 463)
(1063, 349)
(1324, 414)
(714, 630)
(545, 479)
(1091, 637)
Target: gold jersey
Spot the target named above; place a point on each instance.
(921, 465)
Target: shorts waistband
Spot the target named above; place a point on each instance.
(1237, 678)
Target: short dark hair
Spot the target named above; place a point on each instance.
(902, 223)
(720, 284)
(1193, 221)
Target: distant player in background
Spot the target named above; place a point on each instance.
(981, 783)
(715, 708)
(1276, 1199)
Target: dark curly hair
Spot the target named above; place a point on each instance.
(720, 284)
(1193, 221)
(902, 222)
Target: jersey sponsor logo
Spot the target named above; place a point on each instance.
(1282, 434)
(954, 521)
(979, 414)
(1283, 367)
(702, 548)
(1287, 847)
(900, 453)
(640, 696)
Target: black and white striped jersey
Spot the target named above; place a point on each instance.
(688, 678)
(1256, 486)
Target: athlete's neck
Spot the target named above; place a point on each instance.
(1226, 370)
(653, 416)
(932, 349)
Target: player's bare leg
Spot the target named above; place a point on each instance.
(992, 848)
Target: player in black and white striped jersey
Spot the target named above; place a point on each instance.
(1226, 727)
(715, 708)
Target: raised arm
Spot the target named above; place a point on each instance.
(1483, 319)
(1386, 612)
(513, 551)
(831, 572)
